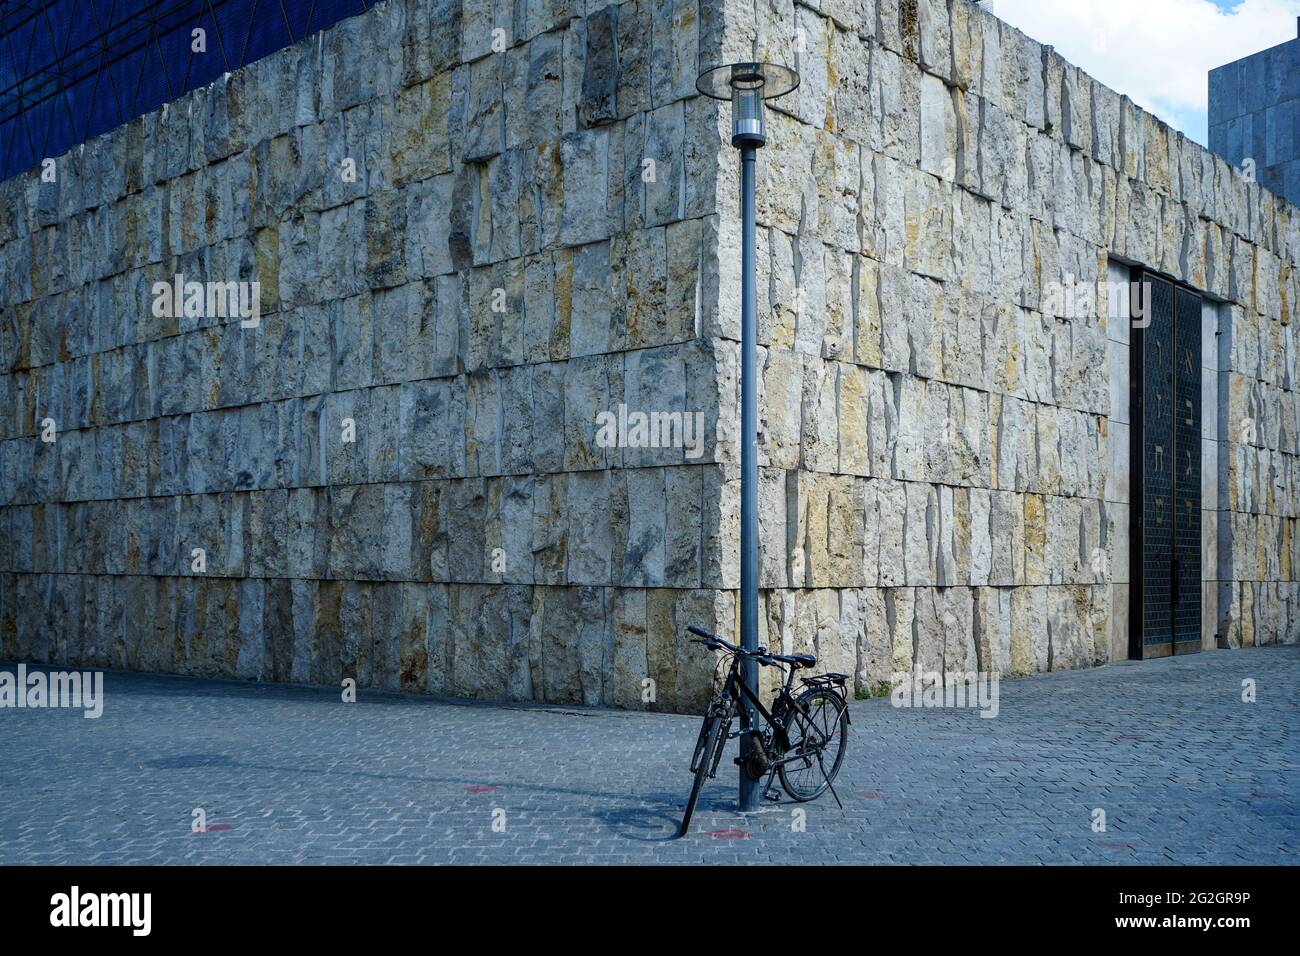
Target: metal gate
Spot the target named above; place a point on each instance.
(1165, 532)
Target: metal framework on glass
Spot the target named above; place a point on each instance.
(72, 69)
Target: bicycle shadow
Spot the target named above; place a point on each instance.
(644, 824)
(659, 822)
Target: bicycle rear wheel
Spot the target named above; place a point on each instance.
(817, 742)
(703, 763)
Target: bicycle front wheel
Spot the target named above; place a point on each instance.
(703, 763)
(818, 728)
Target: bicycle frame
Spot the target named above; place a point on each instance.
(738, 691)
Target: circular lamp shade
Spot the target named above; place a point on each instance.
(770, 79)
(747, 85)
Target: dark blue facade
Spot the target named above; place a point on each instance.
(1255, 115)
(72, 69)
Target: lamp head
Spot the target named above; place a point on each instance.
(747, 85)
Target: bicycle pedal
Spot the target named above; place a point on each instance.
(773, 795)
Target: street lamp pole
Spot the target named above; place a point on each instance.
(749, 784)
(747, 85)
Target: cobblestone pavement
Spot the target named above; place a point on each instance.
(1184, 770)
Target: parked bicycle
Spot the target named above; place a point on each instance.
(802, 738)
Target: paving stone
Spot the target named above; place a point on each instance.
(1185, 774)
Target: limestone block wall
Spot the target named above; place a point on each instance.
(944, 452)
(462, 256)
(1258, 556)
(542, 226)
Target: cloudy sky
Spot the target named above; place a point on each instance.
(1156, 51)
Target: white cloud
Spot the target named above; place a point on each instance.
(1159, 52)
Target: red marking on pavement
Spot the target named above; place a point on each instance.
(217, 828)
(479, 788)
(873, 795)
(730, 833)
(1265, 794)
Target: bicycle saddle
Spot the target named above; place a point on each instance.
(795, 660)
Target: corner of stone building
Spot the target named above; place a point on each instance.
(922, 501)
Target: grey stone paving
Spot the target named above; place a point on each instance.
(1185, 771)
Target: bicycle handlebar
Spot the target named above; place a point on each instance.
(713, 642)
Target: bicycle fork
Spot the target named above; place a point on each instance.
(770, 793)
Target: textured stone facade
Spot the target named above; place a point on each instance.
(946, 457)
(542, 227)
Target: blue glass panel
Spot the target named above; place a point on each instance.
(73, 69)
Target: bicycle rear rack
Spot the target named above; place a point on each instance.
(826, 680)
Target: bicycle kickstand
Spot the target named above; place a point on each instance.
(822, 767)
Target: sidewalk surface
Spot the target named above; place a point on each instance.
(1184, 770)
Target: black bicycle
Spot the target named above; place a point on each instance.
(803, 738)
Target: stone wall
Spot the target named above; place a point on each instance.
(501, 268)
(544, 230)
(944, 455)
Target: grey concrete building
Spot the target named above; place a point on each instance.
(1254, 115)
(479, 228)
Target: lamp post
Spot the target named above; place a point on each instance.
(747, 85)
